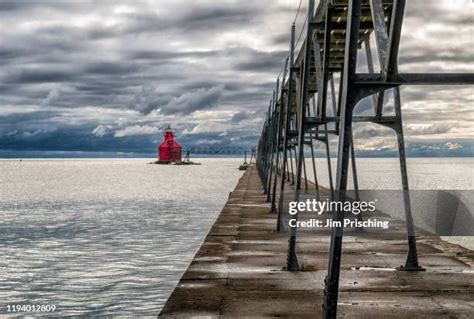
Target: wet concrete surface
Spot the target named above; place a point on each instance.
(239, 270)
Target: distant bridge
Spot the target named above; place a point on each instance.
(215, 150)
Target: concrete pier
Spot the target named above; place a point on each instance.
(238, 271)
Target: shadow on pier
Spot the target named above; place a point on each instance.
(239, 270)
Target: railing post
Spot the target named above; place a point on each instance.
(411, 263)
(292, 260)
(279, 133)
(287, 127)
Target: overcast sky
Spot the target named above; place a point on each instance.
(110, 75)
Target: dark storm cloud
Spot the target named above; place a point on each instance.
(281, 39)
(251, 97)
(111, 68)
(439, 12)
(447, 55)
(199, 17)
(192, 18)
(118, 68)
(217, 16)
(161, 57)
(243, 115)
(43, 75)
(263, 61)
(15, 118)
(147, 100)
(8, 6)
(8, 54)
(35, 55)
(187, 103)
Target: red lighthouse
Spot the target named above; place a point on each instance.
(169, 151)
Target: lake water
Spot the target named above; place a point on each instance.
(110, 237)
(423, 173)
(104, 237)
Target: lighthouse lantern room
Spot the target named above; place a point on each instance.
(169, 150)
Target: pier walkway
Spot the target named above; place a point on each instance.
(238, 271)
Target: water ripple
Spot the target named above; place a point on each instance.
(116, 243)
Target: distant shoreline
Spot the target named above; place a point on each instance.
(6, 155)
(105, 157)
